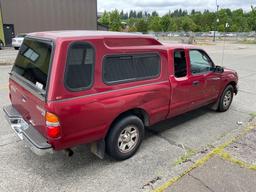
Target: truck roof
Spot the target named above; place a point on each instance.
(112, 39)
(84, 34)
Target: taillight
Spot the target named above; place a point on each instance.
(52, 125)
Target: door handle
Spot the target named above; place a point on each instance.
(196, 83)
(214, 79)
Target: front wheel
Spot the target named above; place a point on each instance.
(125, 138)
(16, 48)
(226, 98)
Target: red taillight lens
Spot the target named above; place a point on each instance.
(53, 132)
(52, 125)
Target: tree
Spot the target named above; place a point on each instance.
(165, 22)
(154, 23)
(141, 25)
(188, 24)
(252, 18)
(172, 26)
(115, 21)
(139, 14)
(131, 25)
(122, 14)
(146, 14)
(154, 14)
(104, 19)
(131, 14)
(181, 20)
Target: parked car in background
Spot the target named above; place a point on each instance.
(79, 87)
(17, 41)
(230, 35)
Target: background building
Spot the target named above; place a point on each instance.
(24, 16)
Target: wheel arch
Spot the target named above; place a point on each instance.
(140, 113)
(234, 85)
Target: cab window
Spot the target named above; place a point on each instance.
(199, 62)
(180, 65)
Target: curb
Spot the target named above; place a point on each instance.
(219, 150)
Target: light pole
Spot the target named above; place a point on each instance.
(216, 21)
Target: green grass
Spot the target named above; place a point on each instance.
(253, 114)
(186, 157)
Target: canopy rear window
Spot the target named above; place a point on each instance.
(33, 62)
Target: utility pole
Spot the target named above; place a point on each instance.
(216, 21)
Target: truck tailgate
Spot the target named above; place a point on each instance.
(28, 105)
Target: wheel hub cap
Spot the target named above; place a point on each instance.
(128, 139)
(227, 98)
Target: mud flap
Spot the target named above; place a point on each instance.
(215, 105)
(98, 148)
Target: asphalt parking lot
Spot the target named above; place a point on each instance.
(158, 158)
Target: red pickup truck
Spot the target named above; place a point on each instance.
(77, 87)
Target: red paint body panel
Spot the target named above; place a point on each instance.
(28, 105)
(86, 116)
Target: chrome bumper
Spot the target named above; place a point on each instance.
(32, 138)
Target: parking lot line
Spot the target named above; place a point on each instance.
(216, 151)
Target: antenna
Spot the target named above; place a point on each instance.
(224, 44)
(223, 49)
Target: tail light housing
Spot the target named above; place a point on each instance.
(52, 125)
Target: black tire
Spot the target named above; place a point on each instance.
(16, 48)
(226, 98)
(115, 139)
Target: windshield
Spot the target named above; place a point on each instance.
(33, 62)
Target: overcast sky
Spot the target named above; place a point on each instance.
(163, 6)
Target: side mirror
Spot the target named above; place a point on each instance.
(218, 69)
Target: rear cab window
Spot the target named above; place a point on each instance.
(131, 67)
(33, 62)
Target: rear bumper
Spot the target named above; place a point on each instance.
(26, 132)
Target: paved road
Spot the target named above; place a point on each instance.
(228, 167)
(155, 162)
(8, 55)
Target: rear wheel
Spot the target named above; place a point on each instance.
(16, 48)
(125, 138)
(226, 98)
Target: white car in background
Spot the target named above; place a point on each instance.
(17, 41)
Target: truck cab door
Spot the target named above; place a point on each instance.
(201, 70)
(181, 85)
(187, 86)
